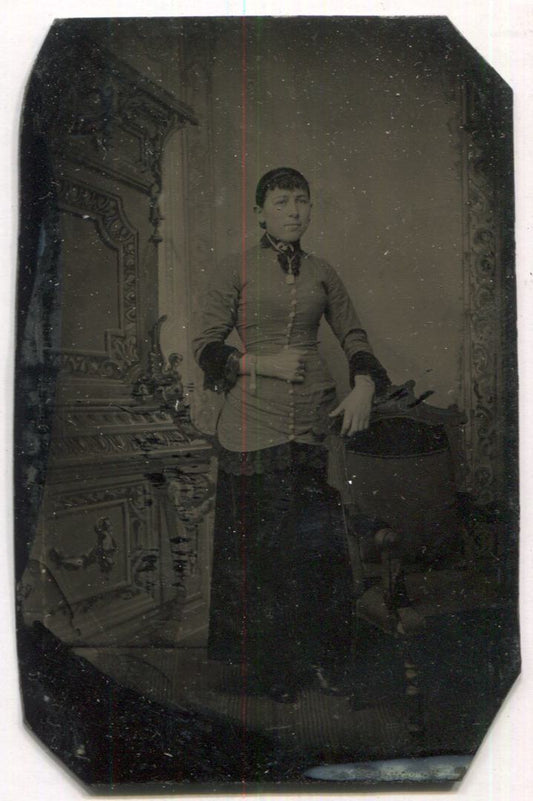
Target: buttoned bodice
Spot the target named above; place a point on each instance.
(254, 296)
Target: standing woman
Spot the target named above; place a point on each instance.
(281, 591)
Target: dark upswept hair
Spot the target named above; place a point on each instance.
(280, 178)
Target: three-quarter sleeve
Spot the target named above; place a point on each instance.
(345, 324)
(220, 362)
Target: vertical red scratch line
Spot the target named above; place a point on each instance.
(244, 387)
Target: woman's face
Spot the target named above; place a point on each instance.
(285, 213)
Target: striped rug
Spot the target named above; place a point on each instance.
(324, 727)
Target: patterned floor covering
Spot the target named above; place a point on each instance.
(324, 726)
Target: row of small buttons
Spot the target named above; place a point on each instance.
(290, 324)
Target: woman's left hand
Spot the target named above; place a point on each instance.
(356, 406)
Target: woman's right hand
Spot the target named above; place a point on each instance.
(287, 365)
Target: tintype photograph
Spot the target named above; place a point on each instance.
(266, 402)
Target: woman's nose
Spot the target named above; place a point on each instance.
(294, 211)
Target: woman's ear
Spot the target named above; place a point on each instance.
(259, 214)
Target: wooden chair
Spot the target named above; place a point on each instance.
(413, 572)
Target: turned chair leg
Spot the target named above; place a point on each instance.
(414, 696)
(395, 597)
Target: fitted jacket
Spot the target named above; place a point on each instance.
(254, 296)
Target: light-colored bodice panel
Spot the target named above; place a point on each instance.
(254, 296)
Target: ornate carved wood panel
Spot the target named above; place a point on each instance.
(115, 540)
(114, 547)
(489, 363)
(90, 217)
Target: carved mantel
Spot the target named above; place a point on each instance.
(99, 110)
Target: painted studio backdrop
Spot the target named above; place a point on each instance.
(142, 142)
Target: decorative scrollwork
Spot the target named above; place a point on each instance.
(84, 365)
(484, 345)
(145, 569)
(128, 444)
(135, 494)
(162, 383)
(111, 418)
(83, 111)
(191, 495)
(102, 554)
(184, 551)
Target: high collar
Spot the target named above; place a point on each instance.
(289, 255)
(269, 241)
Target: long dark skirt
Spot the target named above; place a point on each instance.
(281, 593)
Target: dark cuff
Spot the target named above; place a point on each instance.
(220, 364)
(364, 363)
